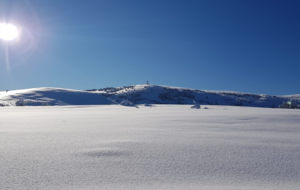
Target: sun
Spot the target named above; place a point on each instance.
(8, 32)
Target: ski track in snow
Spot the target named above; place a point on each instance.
(160, 147)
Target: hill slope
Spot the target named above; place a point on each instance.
(155, 94)
(139, 94)
(51, 96)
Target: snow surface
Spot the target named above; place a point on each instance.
(160, 147)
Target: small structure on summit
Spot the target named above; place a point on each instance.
(147, 82)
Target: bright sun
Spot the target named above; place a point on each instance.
(8, 32)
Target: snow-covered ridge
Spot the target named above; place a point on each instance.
(156, 94)
(51, 96)
(140, 94)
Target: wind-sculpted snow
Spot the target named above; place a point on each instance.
(139, 94)
(163, 147)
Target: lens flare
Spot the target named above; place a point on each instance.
(8, 32)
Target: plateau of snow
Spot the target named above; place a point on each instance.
(140, 94)
(159, 147)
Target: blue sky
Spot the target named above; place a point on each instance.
(235, 45)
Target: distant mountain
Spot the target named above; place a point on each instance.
(139, 94)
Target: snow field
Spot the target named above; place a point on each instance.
(160, 147)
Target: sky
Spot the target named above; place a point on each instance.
(247, 46)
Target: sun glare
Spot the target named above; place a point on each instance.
(8, 32)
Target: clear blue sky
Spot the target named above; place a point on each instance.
(236, 45)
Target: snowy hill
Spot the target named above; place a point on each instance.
(155, 94)
(51, 96)
(139, 94)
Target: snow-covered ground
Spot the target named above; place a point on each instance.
(158, 147)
